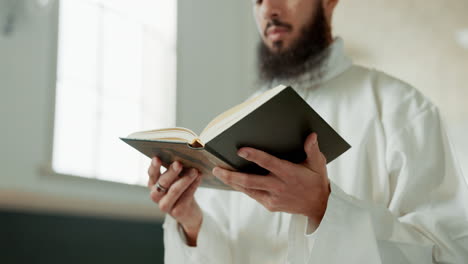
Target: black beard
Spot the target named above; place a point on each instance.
(306, 54)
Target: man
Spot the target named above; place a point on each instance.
(396, 197)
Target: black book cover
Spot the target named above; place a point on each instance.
(279, 127)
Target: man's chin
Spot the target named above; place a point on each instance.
(288, 56)
(277, 47)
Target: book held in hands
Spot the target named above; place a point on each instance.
(277, 121)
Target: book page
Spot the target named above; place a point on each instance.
(231, 116)
(178, 134)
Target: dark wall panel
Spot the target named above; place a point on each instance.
(47, 238)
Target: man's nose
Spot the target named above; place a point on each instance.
(272, 8)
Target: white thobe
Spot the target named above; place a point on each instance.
(397, 196)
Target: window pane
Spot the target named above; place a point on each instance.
(121, 47)
(116, 75)
(116, 160)
(158, 75)
(75, 129)
(78, 41)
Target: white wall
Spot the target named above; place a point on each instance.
(416, 41)
(216, 55)
(215, 71)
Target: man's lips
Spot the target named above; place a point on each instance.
(275, 33)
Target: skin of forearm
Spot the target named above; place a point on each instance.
(191, 231)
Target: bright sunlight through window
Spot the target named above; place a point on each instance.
(116, 75)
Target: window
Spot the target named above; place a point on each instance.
(116, 75)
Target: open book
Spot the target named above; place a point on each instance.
(276, 121)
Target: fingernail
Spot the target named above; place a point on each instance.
(215, 171)
(155, 161)
(242, 153)
(176, 166)
(314, 139)
(193, 173)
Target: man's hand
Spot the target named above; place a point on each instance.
(293, 188)
(178, 200)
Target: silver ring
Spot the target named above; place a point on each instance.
(161, 188)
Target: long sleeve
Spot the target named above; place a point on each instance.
(212, 242)
(425, 221)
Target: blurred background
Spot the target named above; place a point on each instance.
(77, 74)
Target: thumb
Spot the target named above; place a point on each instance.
(315, 159)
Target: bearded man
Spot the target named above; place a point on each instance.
(396, 197)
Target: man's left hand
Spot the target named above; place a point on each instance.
(293, 188)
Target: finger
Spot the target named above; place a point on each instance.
(315, 160)
(165, 180)
(177, 188)
(258, 195)
(171, 175)
(273, 164)
(250, 181)
(262, 197)
(154, 171)
(186, 198)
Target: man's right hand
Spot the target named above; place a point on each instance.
(178, 200)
